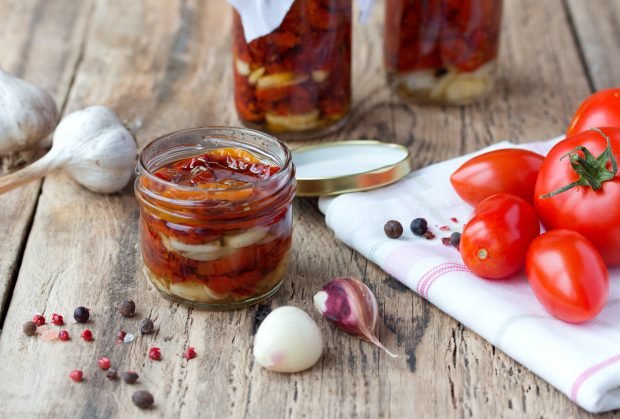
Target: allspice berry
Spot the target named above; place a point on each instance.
(30, 328)
(146, 326)
(393, 229)
(127, 308)
(143, 399)
(111, 374)
(130, 377)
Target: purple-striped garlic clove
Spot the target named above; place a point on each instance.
(350, 306)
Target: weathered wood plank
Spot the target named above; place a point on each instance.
(41, 42)
(163, 65)
(597, 26)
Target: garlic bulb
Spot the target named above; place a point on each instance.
(92, 146)
(28, 114)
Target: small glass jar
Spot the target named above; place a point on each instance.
(442, 51)
(296, 81)
(215, 247)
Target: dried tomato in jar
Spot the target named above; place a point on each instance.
(215, 215)
(296, 80)
(442, 51)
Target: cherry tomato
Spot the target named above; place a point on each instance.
(602, 109)
(568, 275)
(495, 240)
(508, 170)
(592, 213)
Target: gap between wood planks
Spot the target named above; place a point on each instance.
(578, 45)
(22, 248)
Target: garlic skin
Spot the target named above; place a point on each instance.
(92, 146)
(102, 151)
(28, 114)
(352, 307)
(288, 340)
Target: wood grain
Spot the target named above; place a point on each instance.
(164, 65)
(41, 42)
(597, 26)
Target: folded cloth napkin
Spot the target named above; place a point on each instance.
(582, 361)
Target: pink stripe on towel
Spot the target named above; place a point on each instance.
(583, 377)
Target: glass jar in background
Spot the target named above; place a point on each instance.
(215, 215)
(442, 51)
(296, 81)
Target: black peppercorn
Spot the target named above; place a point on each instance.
(393, 229)
(81, 314)
(143, 399)
(419, 226)
(130, 377)
(30, 328)
(455, 239)
(146, 326)
(111, 374)
(127, 308)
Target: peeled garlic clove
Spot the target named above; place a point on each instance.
(280, 80)
(294, 122)
(28, 116)
(420, 80)
(288, 340)
(467, 88)
(350, 306)
(440, 87)
(247, 238)
(255, 75)
(243, 68)
(179, 246)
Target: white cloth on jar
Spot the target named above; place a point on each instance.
(261, 17)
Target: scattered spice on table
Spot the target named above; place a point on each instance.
(120, 336)
(146, 326)
(87, 335)
(57, 319)
(104, 363)
(127, 308)
(76, 375)
(155, 354)
(143, 399)
(38, 319)
(63, 335)
(190, 353)
(429, 235)
(130, 377)
(444, 228)
(30, 328)
(81, 314)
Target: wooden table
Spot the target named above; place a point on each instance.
(165, 65)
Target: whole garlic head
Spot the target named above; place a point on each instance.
(100, 152)
(28, 114)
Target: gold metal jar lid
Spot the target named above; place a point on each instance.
(348, 166)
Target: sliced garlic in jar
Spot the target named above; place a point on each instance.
(243, 67)
(442, 84)
(420, 80)
(255, 75)
(247, 238)
(467, 88)
(319, 76)
(209, 247)
(280, 80)
(294, 122)
(193, 291)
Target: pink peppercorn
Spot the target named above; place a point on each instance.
(38, 319)
(63, 335)
(155, 354)
(76, 375)
(87, 335)
(57, 319)
(104, 363)
(190, 353)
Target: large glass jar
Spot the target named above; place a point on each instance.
(296, 81)
(215, 215)
(442, 51)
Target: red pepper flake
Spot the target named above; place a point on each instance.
(87, 335)
(155, 354)
(104, 363)
(446, 241)
(429, 235)
(190, 353)
(63, 335)
(454, 220)
(57, 319)
(38, 319)
(120, 337)
(444, 228)
(76, 375)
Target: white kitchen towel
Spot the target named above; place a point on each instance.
(261, 17)
(582, 361)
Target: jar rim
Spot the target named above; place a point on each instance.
(284, 168)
